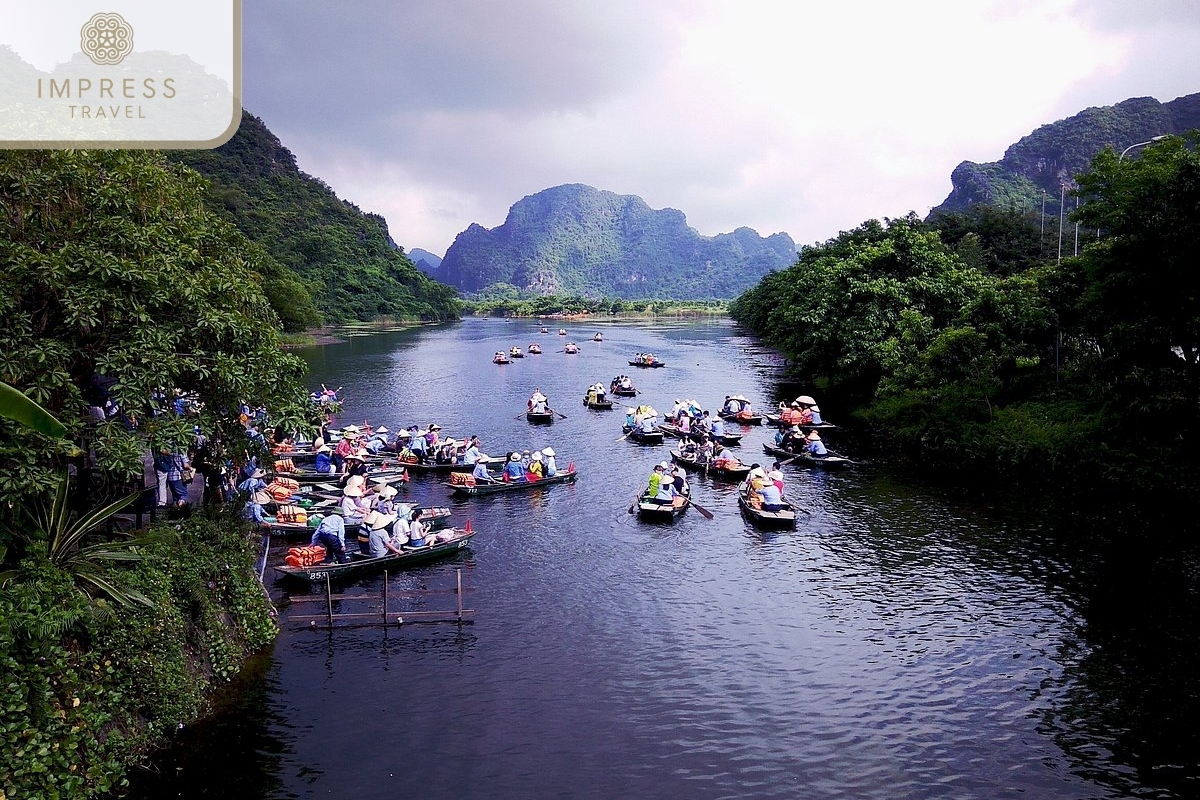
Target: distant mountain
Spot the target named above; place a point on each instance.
(575, 239)
(320, 250)
(1053, 154)
(425, 261)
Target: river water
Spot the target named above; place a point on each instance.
(896, 644)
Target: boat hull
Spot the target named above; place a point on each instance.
(481, 489)
(831, 461)
(722, 473)
(359, 566)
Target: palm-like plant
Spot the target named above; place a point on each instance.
(64, 535)
(56, 526)
(15, 405)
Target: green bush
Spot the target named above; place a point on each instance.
(90, 687)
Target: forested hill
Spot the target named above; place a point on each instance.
(574, 239)
(1053, 154)
(328, 260)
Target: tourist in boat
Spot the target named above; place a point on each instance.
(535, 469)
(551, 467)
(538, 402)
(378, 440)
(814, 415)
(776, 476)
(380, 540)
(417, 444)
(331, 534)
(481, 473)
(324, 463)
(253, 510)
(344, 448)
(513, 471)
(254, 482)
(656, 478)
(356, 464)
(770, 498)
(718, 428)
(649, 422)
(815, 447)
(353, 506)
(630, 418)
(667, 492)
(472, 453)
(685, 422)
(705, 452)
(385, 499)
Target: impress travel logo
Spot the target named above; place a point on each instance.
(146, 74)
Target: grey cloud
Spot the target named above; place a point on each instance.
(367, 64)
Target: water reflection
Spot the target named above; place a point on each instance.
(894, 644)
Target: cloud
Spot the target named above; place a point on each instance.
(799, 117)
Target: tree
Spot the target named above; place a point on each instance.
(1140, 289)
(118, 284)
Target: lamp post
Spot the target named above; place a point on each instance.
(1141, 144)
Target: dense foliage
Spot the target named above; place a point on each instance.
(88, 687)
(121, 293)
(118, 283)
(502, 300)
(577, 240)
(1034, 169)
(325, 260)
(963, 349)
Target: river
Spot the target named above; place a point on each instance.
(896, 644)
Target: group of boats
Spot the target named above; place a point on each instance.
(702, 448)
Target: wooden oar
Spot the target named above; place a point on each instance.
(560, 414)
(633, 506)
(631, 430)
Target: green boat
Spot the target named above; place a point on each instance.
(360, 565)
(460, 490)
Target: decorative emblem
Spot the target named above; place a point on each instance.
(106, 39)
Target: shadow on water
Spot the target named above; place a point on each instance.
(896, 644)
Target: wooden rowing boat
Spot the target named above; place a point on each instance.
(307, 476)
(651, 511)
(500, 487)
(617, 390)
(831, 461)
(359, 565)
(784, 518)
(696, 434)
(602, 405)
(711, 468)
(778, 422)
(540, 417)
(749, 419)
(654, 363)
(642, 437)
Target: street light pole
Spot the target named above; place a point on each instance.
(1141, 144)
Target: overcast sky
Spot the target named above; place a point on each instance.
(782, 115)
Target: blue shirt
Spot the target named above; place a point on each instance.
(817, 448)
(770, 495)
(514, 471)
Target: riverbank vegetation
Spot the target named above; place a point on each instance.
(123, 294)
(964, 345)
(322, 260)
(503, 300)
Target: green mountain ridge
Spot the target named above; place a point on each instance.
(1038, 166)
(329, 261)
(578, 240)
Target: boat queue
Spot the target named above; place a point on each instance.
(350, 489)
